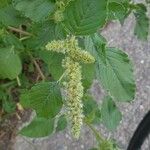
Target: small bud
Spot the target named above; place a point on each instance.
(58, 16)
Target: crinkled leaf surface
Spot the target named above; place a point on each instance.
(10, 63)
(10, 16)
(83, 17)
(142, 22)
(62, 123)
(39, 127)
(114, 70)
(45, 98)
(111, 115)
(36, 10)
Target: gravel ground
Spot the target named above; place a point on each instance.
(139, 52)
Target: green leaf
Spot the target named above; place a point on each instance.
(115, 72)
(39, 127)
(10, 64)
(45, 98)
(91, 110)
(88, 74)
(62, 123)
(10, 16)
(83, 17)
(54, 62)
(8, 105)
(12, 40)
(142, 22)
(4, 3)
(116, 11)
(36, 10)
(111, 115)
(44, 33)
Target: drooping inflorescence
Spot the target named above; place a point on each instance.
(73, 78)
(74, 94)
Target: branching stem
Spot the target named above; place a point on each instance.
(61, 77)
(18, 81)
(98, 137)
(19, 31)
(37, 67)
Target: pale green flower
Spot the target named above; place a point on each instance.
(73, 84)
(70, 47)
(56, 46)
(58, 16)
(74, 95)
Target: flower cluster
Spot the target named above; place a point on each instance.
(74, 88)
(60, 7)
(57, 46)
(71, 48)
(73, 84)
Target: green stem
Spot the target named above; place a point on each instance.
(61, 77)
(18, 81)
(24, 38)
(98, 137)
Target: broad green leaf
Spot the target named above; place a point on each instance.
(83, 17)
(10, 64)
(107, 145)
(10, 39)
(44, 33)
(119, 1)
(54, 62)
(45, 98)
(10, 16)
(8, 105)
(62, 123)
(39, 127)
(115, 72)
(142, 22)
(111, 115)
(36, 10)
(116, 11)
(88, 75)
(119, 9)
(91, 110)
(4, 3)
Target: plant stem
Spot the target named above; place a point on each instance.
(18, 81)
(99, 138)
(19, 31)
(37, 67)
(61, 77)
(24, 38)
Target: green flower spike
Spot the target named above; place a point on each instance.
(74, 96)
(73, 84)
